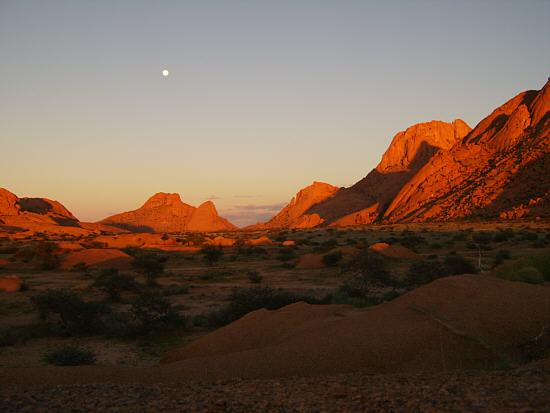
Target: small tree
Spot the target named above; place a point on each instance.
(212, 254)
(113, 283)
(332, 259)
(150, 265)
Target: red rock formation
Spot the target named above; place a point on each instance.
(502, 168)
(37, 215)
(9, 203)
(364, 202)
(294, 214)
(167, 213)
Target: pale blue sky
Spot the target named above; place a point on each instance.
(263, 97)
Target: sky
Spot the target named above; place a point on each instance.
(263, 97)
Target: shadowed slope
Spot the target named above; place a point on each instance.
(454, 323)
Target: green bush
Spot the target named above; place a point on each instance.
(70, 355)
(68, 312)
(114, 284)
(534, 269)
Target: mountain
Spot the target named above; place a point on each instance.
(500, 169)
(364, 202)
(294, 214)
(438, 171)
(167, 213)
(36, 214)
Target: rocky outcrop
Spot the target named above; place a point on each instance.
(501, 169)
(366, 201)
(167, 213)
(37, 215)
(9, 203)
(294, 214)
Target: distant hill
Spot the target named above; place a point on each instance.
(167, 213)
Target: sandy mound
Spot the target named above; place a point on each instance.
(221, 242)
(458, 322)
(10, 284)
(104, 258)
(263, 240)
(394, 251)
(310, 262)
(70, 246)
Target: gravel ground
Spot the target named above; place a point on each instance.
(496, 391)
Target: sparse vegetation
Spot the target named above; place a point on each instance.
(114, 284)
(332, 259)
(245, 300)
(150, 265)
(533, 269)
(212, 254)
(68, 313)
(70, 355)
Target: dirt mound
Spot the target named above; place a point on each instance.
(103, 258)
(288, 243)
(167, 213)
(263, 240)
(311, 261)
(394, 251)
(69, 246)
(458, 322)
(10, 284)
(221, 242)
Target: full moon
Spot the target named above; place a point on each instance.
(165, 73)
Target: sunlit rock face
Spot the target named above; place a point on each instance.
(294, 214)
(500, 169)
(366, 201)
(167, 213)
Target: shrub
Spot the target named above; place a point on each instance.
(332, 259)
(501, 256)
(243, 301)
(457, 264)
(70, 356)
(286, 254)
(152, 312)
(534, 269)
(212, 254)
(423, 272)
(113, 283)
(373, 266)
(68, 312)
(254, 277)
(150, 265)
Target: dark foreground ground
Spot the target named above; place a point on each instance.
(524, 390)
